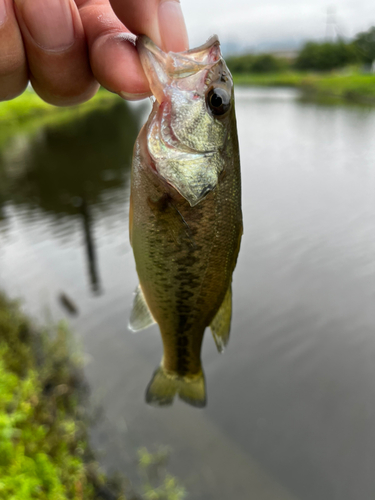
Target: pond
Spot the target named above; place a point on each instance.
(291, 402)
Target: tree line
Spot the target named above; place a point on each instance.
(314, 56)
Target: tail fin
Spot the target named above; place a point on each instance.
(163, 387)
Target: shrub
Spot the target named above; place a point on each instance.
(251, 63)
(364, 45)
(325, 56)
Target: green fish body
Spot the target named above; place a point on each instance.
(185, 213)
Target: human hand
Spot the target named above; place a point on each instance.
(68, 47)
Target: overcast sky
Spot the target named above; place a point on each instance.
(253, 23)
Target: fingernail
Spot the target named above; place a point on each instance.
(49, 22)
(3, 12)
(134, 97)
(172, 26)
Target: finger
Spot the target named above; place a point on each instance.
(56, 50)
(13, 68)
(161, 20)
(114, 59)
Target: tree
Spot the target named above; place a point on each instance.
(252, 63)
(325, 56)
(364, 44)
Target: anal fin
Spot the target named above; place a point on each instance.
(140, 317)
(220, 325)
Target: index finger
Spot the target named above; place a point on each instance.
(113, 58)
(160, 20)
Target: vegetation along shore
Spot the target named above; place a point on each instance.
(44, 421)
(340, 69)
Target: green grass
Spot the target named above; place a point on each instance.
(28, 112)
(42, 436)
(287, 79)
(44, 451)
(355, 86)
(29, 105)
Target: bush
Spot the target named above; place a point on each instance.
(240, 64)
(251, 63)
(42, 440)
(364, 45)
(44, 451)
(325, 56)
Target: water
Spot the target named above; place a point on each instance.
(291, 403)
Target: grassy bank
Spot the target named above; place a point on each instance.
(44, 451)
(29, 106)
(28, 112)
(355, 87)
(43, 443)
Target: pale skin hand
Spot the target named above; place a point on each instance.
(66, 48)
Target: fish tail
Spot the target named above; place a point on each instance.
(164, 386)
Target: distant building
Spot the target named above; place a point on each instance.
(290, 55)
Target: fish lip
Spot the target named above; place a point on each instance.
(212, 40)
(154, 62)
(144, 42)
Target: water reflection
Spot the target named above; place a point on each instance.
(69, 170)
(90, 246)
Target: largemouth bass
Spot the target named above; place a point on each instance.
(185, 212)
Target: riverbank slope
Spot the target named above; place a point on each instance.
(355, 87)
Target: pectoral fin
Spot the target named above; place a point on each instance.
(220, 325)
(140, 317)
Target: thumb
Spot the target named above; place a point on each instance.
(160, 20)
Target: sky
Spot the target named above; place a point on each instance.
(279, 24)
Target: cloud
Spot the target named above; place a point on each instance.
(253, 23)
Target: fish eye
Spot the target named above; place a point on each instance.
(218, 101)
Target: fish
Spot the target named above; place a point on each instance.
(185, 218)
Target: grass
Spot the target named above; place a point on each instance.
(355, 87)
(26, 105)
(29, 105)
(28, 112)
(287, 79)
(44, 451)
(43, 443)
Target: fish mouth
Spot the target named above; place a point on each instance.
(179, 80)
(153, 62)
(161, 67)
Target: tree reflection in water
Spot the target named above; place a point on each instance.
(71, 170)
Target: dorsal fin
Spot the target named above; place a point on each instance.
(140, 317)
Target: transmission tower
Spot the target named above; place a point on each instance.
(332, 29)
